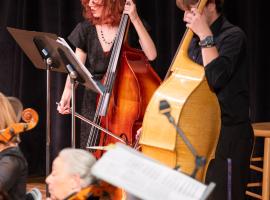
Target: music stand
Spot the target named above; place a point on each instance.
(25, 40)
(77, 73)
(43, 51)
(68, 57)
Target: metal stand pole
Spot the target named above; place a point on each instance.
(48, 63)
(73, 102)
(200, 161)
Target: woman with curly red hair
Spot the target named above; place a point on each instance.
(93, 39)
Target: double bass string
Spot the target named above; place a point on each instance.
(109, 80)
(93, 136)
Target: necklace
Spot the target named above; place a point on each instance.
(103, 38)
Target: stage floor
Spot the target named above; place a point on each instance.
(38, 183)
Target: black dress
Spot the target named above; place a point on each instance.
(85, 37)
(228, 76)
(13, 173)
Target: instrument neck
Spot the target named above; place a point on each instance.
(30, 116)
(113, 63)
(182, 51)
(109, 79)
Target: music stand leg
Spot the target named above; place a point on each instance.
(48, 63)
(73, 124)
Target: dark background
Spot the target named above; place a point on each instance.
(18, 77)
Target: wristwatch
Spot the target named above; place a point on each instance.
(207, 42)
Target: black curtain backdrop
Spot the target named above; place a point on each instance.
(18, 76)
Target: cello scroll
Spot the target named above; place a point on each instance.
(30, 116)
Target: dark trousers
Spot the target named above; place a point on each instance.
(235, 143)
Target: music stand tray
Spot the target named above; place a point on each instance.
(25, 39)
(52, 43)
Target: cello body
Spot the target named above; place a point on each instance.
(100, 190)
(194, 107)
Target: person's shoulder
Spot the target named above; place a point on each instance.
(13, 153)
(10, 157)
(84, 28)
(232, 29)
(86, 25)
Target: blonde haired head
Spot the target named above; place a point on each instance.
(7, 113)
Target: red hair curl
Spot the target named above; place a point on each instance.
(111, 14)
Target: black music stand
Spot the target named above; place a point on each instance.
(47, 54)
(25, 40)
(77, 73)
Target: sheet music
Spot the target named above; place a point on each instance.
(144, 177)
(63, 42)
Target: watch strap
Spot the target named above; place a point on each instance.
(207, 42)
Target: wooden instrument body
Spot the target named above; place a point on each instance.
(194, 107)
(101, 190)
(196, 110)
(129, 84)
(133, 88)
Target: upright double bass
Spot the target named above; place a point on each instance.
(129, 84)
(194, 107)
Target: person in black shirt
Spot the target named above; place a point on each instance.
(13, 165)
(222, 49)
(13, 170)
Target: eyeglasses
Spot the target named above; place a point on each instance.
(96, 2)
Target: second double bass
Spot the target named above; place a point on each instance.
(194, 107)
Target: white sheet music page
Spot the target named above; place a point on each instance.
(64, 43)
(144, 177)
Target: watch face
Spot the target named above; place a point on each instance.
(207, 42)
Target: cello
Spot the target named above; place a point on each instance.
(30, 116)
(100, 190)
(195, 109)
(130, 82)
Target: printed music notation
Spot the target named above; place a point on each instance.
(145, 178)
